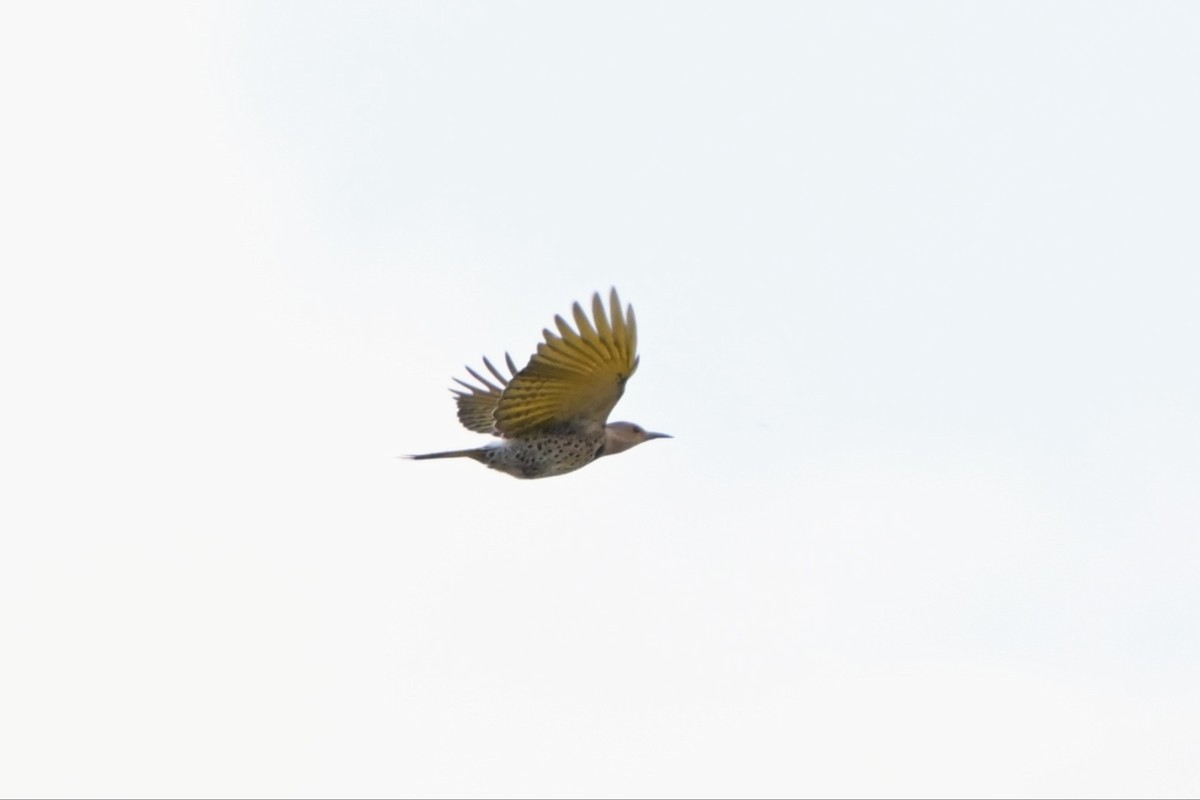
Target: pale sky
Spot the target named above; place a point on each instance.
(917, 289)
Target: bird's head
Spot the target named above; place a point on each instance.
(620, 436)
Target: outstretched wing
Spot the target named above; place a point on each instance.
(576, 377)
(476, 406)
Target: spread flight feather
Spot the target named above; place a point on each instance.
(574, 380)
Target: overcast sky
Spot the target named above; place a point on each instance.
(917, 290)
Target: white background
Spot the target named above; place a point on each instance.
(917, 287)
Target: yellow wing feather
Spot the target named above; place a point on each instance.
(576, 377)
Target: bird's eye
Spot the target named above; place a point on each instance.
(636, 429)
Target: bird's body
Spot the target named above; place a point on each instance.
(552, 415)
(541, 455)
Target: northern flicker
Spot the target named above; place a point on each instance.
(552, 416)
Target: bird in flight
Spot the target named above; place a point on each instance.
(552, 416)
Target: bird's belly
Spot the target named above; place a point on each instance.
(544, 456)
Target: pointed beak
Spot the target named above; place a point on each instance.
(650, 436)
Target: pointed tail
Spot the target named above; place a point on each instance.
(473, 453)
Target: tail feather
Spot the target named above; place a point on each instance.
(473, 453)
